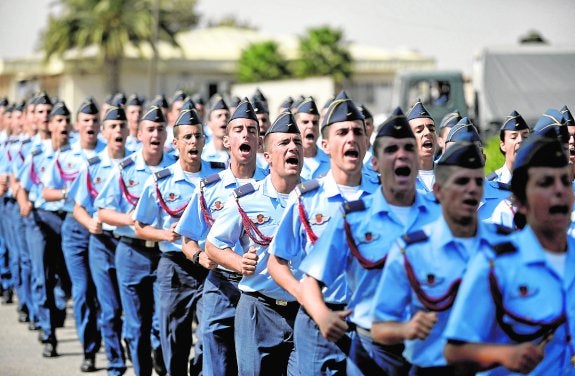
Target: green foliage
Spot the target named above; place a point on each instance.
(323, 52)
(232, 21)
(495, 158)
(262, 61)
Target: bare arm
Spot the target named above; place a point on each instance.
(24, 202)
(245, 265)
(392, 332)
(93, 225)
(53, 194)
(149, 232)
(191, 248)
(115, 218)
(281, 273)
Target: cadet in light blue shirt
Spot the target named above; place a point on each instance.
(133, 111)
(424, 269)
(164, 198)
(357, 243)
(316, 162)
(218, 115)
(311, 207)
(514, 310)
(265, 312)
(423, 127)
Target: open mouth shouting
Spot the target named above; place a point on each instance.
(427, 145)
(194, 152)
(351, 154)
(292, 161)
(245, 150)
(559, 209)
(402, 171)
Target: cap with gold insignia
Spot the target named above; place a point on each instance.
(341, 109)
(540, 151)
(188, 117)
(462, 154)
(418, 111)
(119, 100)
(308, 106)
(244, 110)
(567, 116)
(450, 120)
(217, 102)
(155, 114)
(134, 100)
(88, 107)
(59, 109)
(259, 96)
(259, 107)
(552, 124)
(365, 112)
(395, 126)
(514, 122)
(115, 113)
(285, 123)
(464, 130)
(188, 105)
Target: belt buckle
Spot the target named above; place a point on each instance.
(282, 303)
(150, 244)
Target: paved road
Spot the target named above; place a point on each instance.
(21, 353)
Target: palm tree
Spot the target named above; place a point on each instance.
(111, 25)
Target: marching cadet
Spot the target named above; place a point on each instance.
(102, 242)
(286, 105)
(445, 126)
(316, 162)
(424, 268)
(137, 259)
(171, 116)
(357, 247)
(218, 115)
(221, 294)
(423, 128)
(265, 312)
(369, 127)
(258, 96)
(523, 293)
(310, 208)
(262, 113)
(164, 198)
(512, 132)
(200, 105)
(133, 114)
(60, 176)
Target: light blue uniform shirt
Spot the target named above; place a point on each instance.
(176, 192)
(374, 231)
(134, 172)
(321, 206)
(264, 207)
(34, 166)
(531, 289)
(133, 143)
(312, 171)
(438, 261)
(493, 193)
(210, 154)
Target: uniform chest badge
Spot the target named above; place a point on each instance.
(319, 219)
(368, 237)
(525, 291)
(42, 169)
(69, 165)
(132, 183)
(431, 280)
(98, 180)
(260, 219)
(218, 205)
(171, 197)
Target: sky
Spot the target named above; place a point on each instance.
(451, 31)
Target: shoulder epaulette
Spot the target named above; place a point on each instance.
(504, 248)
(26, 141)
(353, 206)
(162, 174)
(217, 165)
(35, 152)
(126, 162)
(210, 179)
(414, 237)
(308, 186)
(65, 148)
(244, 190)
(503, 230)
(492, 176)
(503, 186)
(92, 161)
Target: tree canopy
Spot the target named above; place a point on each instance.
(261, 62)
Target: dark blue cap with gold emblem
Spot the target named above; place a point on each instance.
(552, 124)
(20, 106)
(198, 99)
(188, 105)
(258, 95)
(462, 154)
(244, 110)
(235, 101)
(160, 101)
(119, 100)
(418, 111)
(450, 120)
(287, 103)
(285, 123)
(308, 106)
(395, 126)
(513, 122)
(260, 107)
(365, 112)
(540, 151)
(567, 116)
(88, 107)
(341, 95)
(134, 100)
(341, 110)
(464, 130)
(217, 102)
(59, 109)
(298, 101)
(155, 114)
(42, 98)
(179, 95)
(115, 113)
(187, 117)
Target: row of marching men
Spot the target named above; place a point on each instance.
(121, 217)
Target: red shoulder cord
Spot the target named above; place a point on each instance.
(438, 304)
(93, 192)
(20, 153)
(9, 155)
(251, 229)
(365, 263)
(546, 328)
(204, 208)
(64, 175)
(177, 213)
(132, 199)
(33, 175)
(303, 218)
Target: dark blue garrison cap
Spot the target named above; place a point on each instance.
(20, 106)
(308, 106)
(258, 95)
(462, 154)
(341, 110)
(88, 107)
(59, 109)
(341, 95)
(298, 101)
(42, 98)
(285, 123)
(552, 124)
(260, 107)
(188, 105)
(235, 101)
(197, 98)
(567, 116)
(365, 112)
(464, 130)
(395, 126)
(418, 111)
(160, 101)
(514, 122)
(217, 103)
(155, 114)
(134, 100)
(244, 110)
(115, 113)
(179, 95)
(450, 120)
(328, 102)
(287, 103)
(3, 102)
(540, 151)
(119, 100)
(188, 117)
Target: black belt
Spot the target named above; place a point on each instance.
(227, 275)
(139, 242)
(60, 213)
(11, 199)
(109, 234)
(443, 371)
(274, 303)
